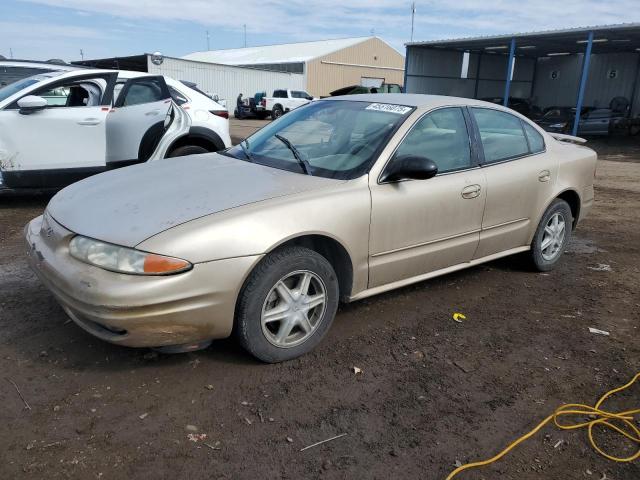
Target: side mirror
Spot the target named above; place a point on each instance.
(309, 97)
(31, 103)
(410, 167)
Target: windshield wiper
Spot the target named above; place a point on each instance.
(304, 164)
(245, 150)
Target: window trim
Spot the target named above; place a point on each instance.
(480, 148)
(475, 160)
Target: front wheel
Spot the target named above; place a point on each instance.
(188, 150)
(552, 236)
(287, 305)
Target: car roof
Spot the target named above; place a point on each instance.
(414, 100)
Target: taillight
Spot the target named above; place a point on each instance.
(263, 102)
(220, 113)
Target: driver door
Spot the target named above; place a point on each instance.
(64, 141)
(137, 122)
(420, 226)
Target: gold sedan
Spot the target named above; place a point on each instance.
(341, 199)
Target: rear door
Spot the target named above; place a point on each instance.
(137, 122)
(520, 176)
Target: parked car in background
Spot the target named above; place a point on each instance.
(341, 199)
(284, 101)
(359, 89)
(523, 106)
(593, 121)
(61, 126)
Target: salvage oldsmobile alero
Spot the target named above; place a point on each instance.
(341, 199)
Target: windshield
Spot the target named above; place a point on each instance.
(15, 87)
(332, 139)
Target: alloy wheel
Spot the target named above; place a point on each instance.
(553, 237)
(293, 309)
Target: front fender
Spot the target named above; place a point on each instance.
(340, 212)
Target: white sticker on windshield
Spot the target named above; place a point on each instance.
(387, 107)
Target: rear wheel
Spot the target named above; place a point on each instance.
(188, 150)
(552, 236)
(277, 112)
(287, 305)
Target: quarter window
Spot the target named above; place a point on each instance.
(501, 135)
(442, 137)
(536, 142)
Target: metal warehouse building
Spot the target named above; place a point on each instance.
(226, 81)
(574, 67)
(325, 65)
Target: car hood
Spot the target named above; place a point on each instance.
(129, 205)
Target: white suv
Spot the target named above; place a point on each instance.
(61, 126)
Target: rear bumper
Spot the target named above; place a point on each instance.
(136, 310)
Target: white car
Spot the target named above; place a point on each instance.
(61, 126)
(284, 101)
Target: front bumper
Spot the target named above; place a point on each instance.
(137, 310)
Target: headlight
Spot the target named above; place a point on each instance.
(122, 259)
(558, 125)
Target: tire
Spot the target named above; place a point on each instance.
(277, 112)
(187, 150)
(546, 259)
(286, 267)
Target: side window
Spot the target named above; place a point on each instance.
(536, 142)
(177, 97)
(501, 135)
(84, 93)
(143, 91)
(280, 94)
(442, 137)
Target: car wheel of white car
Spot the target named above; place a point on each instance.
(552, 236)
(287, 305)
(188, 150)
(277, 112)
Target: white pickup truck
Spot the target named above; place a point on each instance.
(284, 101)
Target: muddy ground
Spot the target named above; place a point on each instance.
(432, 391)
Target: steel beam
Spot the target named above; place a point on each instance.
(583, 83)
(507, 85)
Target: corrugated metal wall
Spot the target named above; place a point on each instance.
(556, 78)
(610, 75)
(372, 58)
(227, 81)
(439, 72)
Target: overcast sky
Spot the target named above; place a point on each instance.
(43, 29)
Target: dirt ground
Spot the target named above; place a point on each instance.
(432, 391)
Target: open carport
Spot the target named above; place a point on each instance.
(571, 68)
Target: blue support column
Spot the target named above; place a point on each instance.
(583, 84)
(507, 84)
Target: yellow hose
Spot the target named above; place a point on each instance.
(625, 427)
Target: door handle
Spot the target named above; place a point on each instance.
(544, 176)
(89, 121)
(471, 191)
(152, 112)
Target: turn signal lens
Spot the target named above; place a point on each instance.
(122, 259)
(158, 264)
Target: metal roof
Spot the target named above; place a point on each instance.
(269, 54)
(623, 37)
